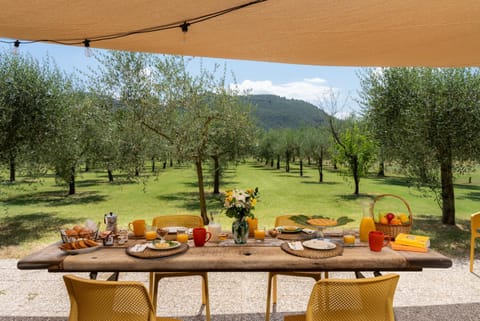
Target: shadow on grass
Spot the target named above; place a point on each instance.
(19, 229)
(450, 240)
(319, 183)
(390, 180)
(189, 200)
(354, 197)
(55, 198)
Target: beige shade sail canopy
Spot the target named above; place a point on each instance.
(443, 33)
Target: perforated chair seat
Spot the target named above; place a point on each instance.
(109, 301)
(368, 299)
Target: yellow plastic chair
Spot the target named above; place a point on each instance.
(475, 232)
(284, 220)
(109, 301)
(189, 221)
(368, 299)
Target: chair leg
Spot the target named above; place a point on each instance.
(151, 277)
(154, 293)
(472, 253)
(269, 295)
(205, 295)
(274, 289)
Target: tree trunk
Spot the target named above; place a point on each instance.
(71, 184)
(171, 162)
(87, 166)
(110, 175)
(448, 197)
(278, 161)
(216, 175)
(201, 191)
(356, 177)
(271, 162)
(137, 171)
(320, 168)
(301, 167)
(335, 165)
(153, 164)
(287, 162)
(12, 168)
(164, 164)
(381, 169)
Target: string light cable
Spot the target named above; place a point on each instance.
(183, 25)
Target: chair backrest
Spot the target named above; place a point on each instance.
(284, 220)
(108, 300)
(475, 224)
(189, 221)
(367, 299)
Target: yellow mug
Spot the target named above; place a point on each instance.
(138, 228)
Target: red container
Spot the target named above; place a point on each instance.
(201, 236)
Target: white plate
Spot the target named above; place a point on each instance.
(319, 244)
(289, 229)
(85, 250)
(173, 229)
(174, 245)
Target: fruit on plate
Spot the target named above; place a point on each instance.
(322, 222)
(79, 244)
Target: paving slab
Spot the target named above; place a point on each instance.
(434, 294)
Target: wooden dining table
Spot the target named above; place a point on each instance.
(252, 257)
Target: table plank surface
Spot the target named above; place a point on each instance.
(232, 259)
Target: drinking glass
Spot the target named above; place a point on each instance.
(182, 235)
(122, 236)
(259, 234)
(162, 232)
(150, 233)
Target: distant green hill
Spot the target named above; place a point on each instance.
(273, 111)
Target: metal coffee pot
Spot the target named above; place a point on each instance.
(111, 222)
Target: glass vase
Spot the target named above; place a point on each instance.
(240, 231)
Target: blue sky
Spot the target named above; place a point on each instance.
(309, 83)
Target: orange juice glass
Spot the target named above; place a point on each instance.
(182, 235)
(349, 239)
(150, 234)
(259, 235)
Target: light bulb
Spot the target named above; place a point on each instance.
(88, 51)
(16, 46)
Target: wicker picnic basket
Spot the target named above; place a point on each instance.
(389, 229)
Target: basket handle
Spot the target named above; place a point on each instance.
(372, 205)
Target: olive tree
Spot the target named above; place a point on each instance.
(428, 119)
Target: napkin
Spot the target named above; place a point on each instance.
(297, 246)
(138, 248)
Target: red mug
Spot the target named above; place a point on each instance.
(377, 240)
(201, 236)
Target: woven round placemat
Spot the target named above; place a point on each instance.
(153, 254)
(295, 236)
(313, 254)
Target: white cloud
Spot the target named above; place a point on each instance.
(312, 90)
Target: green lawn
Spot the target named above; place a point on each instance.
(32, 213)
